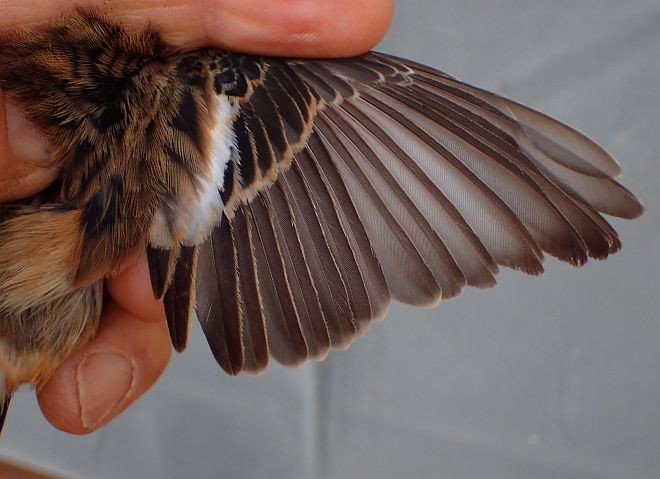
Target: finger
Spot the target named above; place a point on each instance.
(298, 27)
(132, 291)
(271, 27)
(100, 380)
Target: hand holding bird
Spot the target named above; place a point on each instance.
(285, 201)
(132, 346)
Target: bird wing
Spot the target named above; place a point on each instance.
(359, 180)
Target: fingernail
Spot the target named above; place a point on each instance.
(27, 142)
(106, 380)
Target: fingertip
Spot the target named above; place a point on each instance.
(99, 381)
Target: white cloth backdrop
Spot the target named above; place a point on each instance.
(554, 377)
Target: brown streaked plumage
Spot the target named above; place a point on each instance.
(285, 201)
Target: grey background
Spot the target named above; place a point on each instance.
(555, 377)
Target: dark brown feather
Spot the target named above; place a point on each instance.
(286, 341)
(253, 324)
(303, 291)
(283, 93)
(179, 299)
(331, 287)
(161, 268)
(218, 298)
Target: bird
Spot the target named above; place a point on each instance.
(284, 202)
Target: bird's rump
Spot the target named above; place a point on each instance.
(358, 180)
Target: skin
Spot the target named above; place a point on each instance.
(132, 346)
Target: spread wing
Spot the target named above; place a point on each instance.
(360, 180)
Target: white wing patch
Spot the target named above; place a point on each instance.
(195, 217)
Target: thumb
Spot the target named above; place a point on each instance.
(24, 155)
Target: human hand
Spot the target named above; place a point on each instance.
(132, 345)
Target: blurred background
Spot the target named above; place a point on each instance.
(553, 377)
